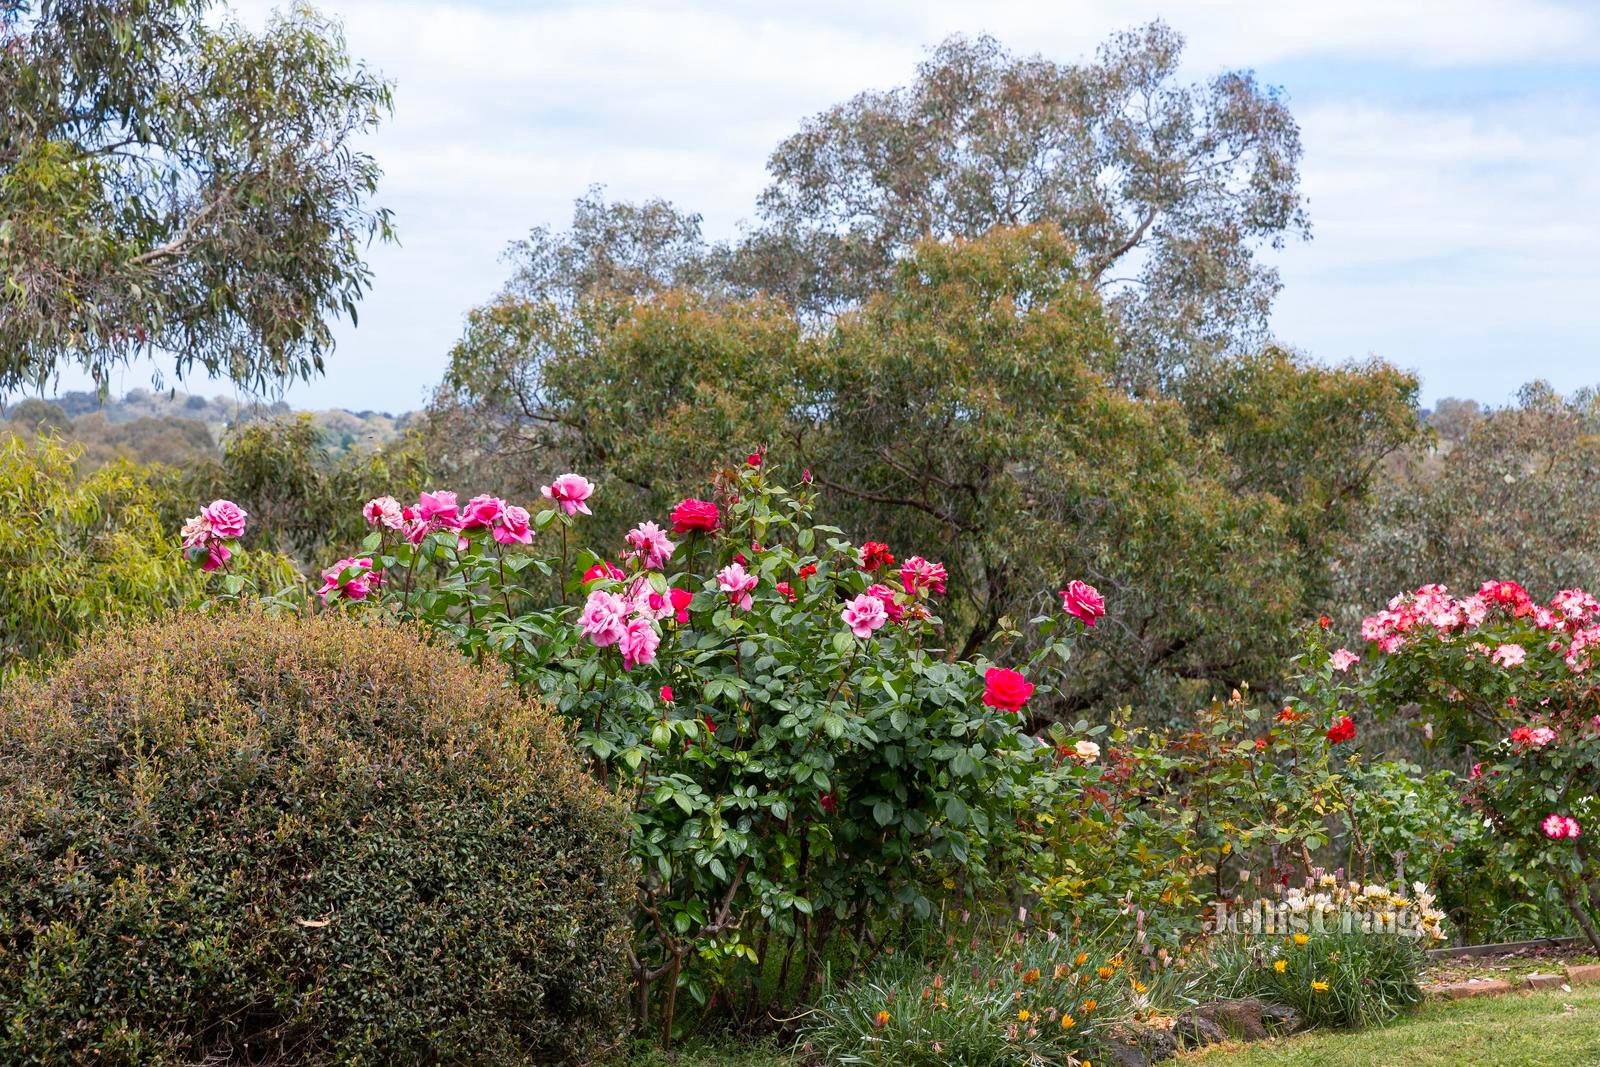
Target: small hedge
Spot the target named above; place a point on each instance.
(252, 839)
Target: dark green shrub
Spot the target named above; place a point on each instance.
(240, 838)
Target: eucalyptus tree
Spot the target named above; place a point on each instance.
(172, 181)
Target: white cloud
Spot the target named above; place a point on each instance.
(505, 113)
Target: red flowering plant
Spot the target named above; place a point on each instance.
(805, 765)
(1513, 681)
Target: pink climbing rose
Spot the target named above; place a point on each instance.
(570, 492)
(733, 580)
(226, 518)
(864, 614)
(1082, 600)
(1343, 659)
(650, 543)
(513, 527)
(604, 620)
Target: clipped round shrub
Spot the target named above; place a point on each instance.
(236, 838)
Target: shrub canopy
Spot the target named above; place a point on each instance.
(299, 840)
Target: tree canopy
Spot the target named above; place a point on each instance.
(173, 183)
(1165, 189)
(968, 408)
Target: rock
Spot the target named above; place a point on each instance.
(1584, 973)
(1194, 1030)
(1136, 1045)
(1281, 1019)
(1543, 981)
(1239, 1019)
(1122, 1055)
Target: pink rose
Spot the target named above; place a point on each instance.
(1343, 659)
(864, 614)
(885, 596)
(357, 587)
(226, 518)
(638, 644)
(482, 512)
(439, 508)
(570, 493)
(1082, 600)
(917, 574)
(1509, 655)
(733, 580)
(1555, 826)
(384, 511)
(1006, 689)
(693, 515)
(604, 620)
(217, 554)
(650, 543)
(513, 527)
(603, 569)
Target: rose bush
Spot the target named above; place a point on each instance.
(803, 761)
(1512, 680)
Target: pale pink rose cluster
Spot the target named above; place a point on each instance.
(1572, 617)
(360, 583)
(207, 536)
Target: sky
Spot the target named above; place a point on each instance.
(1452, 155)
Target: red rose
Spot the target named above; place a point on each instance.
(787, 590)
(666, 694)
(1006, 689)
(680, 603)
(808, 570)
(829, 802)
(695, 515)
(753, 459)
(1083, 601)
(875, 554)
(600, 570)
(1324, 622)
(1344, 729)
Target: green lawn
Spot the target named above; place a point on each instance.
(1549, 1029)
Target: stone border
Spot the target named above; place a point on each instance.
(1504, 948)
(1583, 974)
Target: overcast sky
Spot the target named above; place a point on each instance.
(1452, 154)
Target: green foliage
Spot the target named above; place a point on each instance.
(173, 182)
(1491, 491)
(968, 406)
(1370, 978)
(798, 786)
(303, 841)
(983, 1001)
(79, 554)
(297, 491)
(1165, 190)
